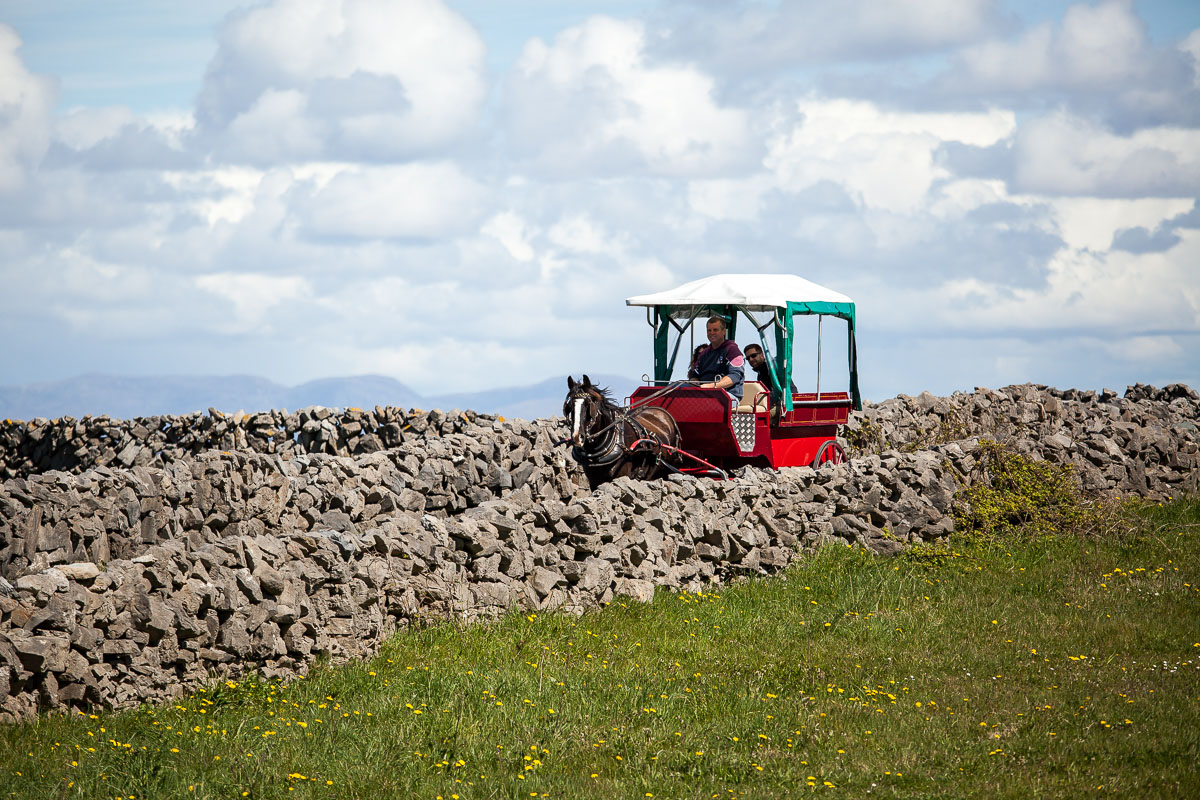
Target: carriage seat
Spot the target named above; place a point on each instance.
(754, 398)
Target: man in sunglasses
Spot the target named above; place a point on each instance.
(757, 359)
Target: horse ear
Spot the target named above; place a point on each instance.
(587, 381)
(570, 384)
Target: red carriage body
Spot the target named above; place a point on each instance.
(728, 436)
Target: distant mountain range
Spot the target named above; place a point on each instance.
(128, 397)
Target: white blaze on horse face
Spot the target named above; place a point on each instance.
(575, 425)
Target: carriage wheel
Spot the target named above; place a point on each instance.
(830, 453)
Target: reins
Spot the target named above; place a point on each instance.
(630, 413)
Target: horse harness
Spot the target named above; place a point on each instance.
(615, 446)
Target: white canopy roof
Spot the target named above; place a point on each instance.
(755, 292)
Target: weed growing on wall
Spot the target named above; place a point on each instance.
(1009, 494)
(865, 437)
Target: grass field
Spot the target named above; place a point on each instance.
(1062, 667)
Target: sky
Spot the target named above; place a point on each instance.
(460, 194)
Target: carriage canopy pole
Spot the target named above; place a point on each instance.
(678, 341)
(820, 317)
(692, 343)
(772, 369)
(661, 325)
(783, 354)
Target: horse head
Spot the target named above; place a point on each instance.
(582, 407)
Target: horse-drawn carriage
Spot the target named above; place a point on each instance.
(771, 426)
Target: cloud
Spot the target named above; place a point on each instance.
(1142, 349)
(417, 200)
(1097, 60)
(1062, 154)
(1140, 240)
(591, 102)
(730, 198)
(77, 293)
(111, 139)
(342, 80)
(26, 103)
(84, 128)
(62, 203)
(885, 158)
(1190, 47)
(756, 36)
(1117, 294)
(509, 229)
(252, 296)
(1161, 238)
(1092, 46)
(1088, 224)
(1063, 359)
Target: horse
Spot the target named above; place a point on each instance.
(610, 441)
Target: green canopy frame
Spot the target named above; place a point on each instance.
(663, 318)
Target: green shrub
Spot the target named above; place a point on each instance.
(866, 438)
(1011, 494)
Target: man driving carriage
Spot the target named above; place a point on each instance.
(720, 365)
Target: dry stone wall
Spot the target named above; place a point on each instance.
(125, 584)
(1143, 444)
(77, 445)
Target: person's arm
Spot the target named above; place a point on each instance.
(737, 369)
(732, 379)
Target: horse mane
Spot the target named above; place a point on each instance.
(606, 399)
(605, 394)
(602, 392)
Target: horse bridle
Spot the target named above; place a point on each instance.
(583, 439)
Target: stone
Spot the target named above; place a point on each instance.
(543, 580)
(270, 580)
(58, 614)
(40, 652)
(82, 571)
(86, 639)
(234, 637)
(640, 590)
(885, 546)
(491, 594)
(120, 647)
(338, 521)
(161, 620)
(44, 583)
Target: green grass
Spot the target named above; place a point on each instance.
(1061, 667)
